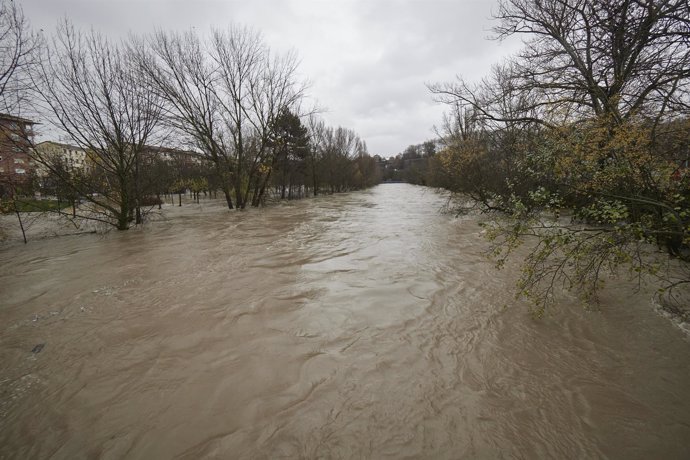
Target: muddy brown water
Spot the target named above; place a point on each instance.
(365, 325)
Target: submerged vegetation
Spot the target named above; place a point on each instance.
(580, 144)
(166, 113)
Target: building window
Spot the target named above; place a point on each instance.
(18, 161)
(20, 171)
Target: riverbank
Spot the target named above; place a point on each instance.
(43, 225)
(675, 309)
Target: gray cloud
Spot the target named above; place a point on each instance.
(368, 61)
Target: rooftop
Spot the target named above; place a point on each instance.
(60, 144)
(8, 117)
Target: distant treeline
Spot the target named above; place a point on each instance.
(411, 165)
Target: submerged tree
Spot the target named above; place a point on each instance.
(178, 71)
(258, 88)
(224, 93)
(95, 96)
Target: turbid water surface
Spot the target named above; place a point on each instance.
(363, 325)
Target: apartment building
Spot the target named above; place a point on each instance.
(16, 139)
(72, 157)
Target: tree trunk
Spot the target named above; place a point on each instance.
(21, 224)
(123, 215)
(238, 193)
(259, 199)
(228, 196)
(314, 178)
(137, 190)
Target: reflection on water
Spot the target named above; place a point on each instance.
(366, 325)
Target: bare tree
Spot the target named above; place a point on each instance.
(337, 149)
(179, 71)
(93, 94)
(607, 58)
(224, 94)
(257, 89)
(617, 58)
(240, 57)
(317, 129)
(18, 52)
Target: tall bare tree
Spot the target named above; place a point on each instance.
(258, 87)
(607, 58)
(18, 52)
(177, 67)
(224, 93)
(93, 93)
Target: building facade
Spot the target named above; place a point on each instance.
(16, 141)
(172, 156)
(72, 157)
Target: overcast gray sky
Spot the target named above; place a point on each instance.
(367, 60)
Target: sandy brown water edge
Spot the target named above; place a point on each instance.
(366, 325)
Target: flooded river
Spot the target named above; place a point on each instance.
(365, 325)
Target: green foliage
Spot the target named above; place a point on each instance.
(30, 205)
(560, 130)
(622, 203)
